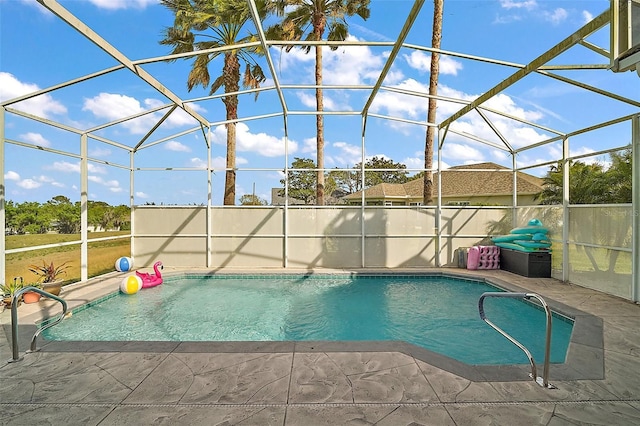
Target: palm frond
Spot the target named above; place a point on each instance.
(199, 74)
(218, 83)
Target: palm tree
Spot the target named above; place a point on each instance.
(313, 17)
(224, 19)
(436, 38)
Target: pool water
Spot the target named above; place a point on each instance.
(435, 312)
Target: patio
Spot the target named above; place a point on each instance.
(304, 383)
(307, 383)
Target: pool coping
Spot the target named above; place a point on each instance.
(585, 354)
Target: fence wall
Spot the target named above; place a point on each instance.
(598, 247)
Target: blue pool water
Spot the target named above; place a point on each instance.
(434, 312)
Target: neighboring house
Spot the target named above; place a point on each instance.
(485, 185)
(278, 200)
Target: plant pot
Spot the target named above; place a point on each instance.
(53, 288)
(7, 301)
(31, 297)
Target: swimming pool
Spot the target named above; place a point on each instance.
(438, 313)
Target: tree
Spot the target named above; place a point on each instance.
(252, 200)
(225, 19)
(346, 181)
(98, 214)
(313, 17)
(382, 170)
(619, 175)
(436, 38)
(27, 217)
(122, 217)
(588, 184)
(392, 174)
(66, 214)
(301, 182)
(592, 184)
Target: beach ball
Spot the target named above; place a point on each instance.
(131, 284)
(124, 264)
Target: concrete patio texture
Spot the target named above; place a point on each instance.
(317, 383)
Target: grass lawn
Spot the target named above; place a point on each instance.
(102, 254)
(581, 262)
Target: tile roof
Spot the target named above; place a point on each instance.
(485, 179)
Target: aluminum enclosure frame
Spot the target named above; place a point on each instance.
(539, 66)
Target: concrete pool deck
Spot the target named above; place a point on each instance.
(307, 383)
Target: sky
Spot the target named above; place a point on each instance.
(39, 50)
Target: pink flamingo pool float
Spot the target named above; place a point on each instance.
(151, 280)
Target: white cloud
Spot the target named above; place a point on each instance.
(176, 146)
(506, 104)
(557, 16)
(140, 194)
(587, 16)
(178, 117)
(309, 146)
(415, 108)
(35, 138)
(34, 183)
(403, 106)
(516, 133)
(65, 166)
(42, 106)
(260, 143)
(416, 162)
(11, 175)
(198, 163)
(329, 102)
(498, 156)
(507, 19)
(112, 185)
(350, 65)
(348, 154)
(581, 150)
(421, 61)
(522, 4)
(45, 179)
(113, 106)
(51, 181)
(371, 35)
(462, 153)
(307, 99)
(345, 66)
(29, 184)
(122, 4)
(219, 163)
(448, 65)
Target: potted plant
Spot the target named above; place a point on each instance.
(49, 276)
(32, 296)
(9, 289)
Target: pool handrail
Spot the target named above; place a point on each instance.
(544, 380)
(14, 319)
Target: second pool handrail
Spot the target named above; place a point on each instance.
(544, 380)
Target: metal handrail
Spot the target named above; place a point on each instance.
(14, 319)
(544, 380)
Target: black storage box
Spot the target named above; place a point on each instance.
(528, 264)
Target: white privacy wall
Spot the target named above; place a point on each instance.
(598, 248)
